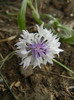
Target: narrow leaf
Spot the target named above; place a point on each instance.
(21, 15)
(65, 34)
(69, 40)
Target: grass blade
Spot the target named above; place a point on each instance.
(21, 15)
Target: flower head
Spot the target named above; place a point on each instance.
(37, 48)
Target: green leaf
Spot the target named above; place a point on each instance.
(65, 34)
(21, 15)
(35, 12)
(35, 15)
(69, 40)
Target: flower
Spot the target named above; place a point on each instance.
(37, 48)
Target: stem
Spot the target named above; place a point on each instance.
(7, 86)
(36, 5)
(35, 12)
(30, 4)
(3, 61)
(48, 16)
(63, 66)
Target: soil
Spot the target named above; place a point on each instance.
(51, 82)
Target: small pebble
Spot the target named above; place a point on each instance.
(26, 72)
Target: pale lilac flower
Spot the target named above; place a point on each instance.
(37, 48)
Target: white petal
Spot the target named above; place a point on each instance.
(26, 62)
(25, 52)
(37, 63)
(52, 42)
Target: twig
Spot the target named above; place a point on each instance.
(8, 39)
(67, 77)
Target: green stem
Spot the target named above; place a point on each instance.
(30, 4)
(63, 66)
(48, 16)
(7, 86)
(35, 12)
(3, 61)
(36, 5)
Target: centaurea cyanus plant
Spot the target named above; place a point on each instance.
(38, 48)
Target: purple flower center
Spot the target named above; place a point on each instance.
(38, 49)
